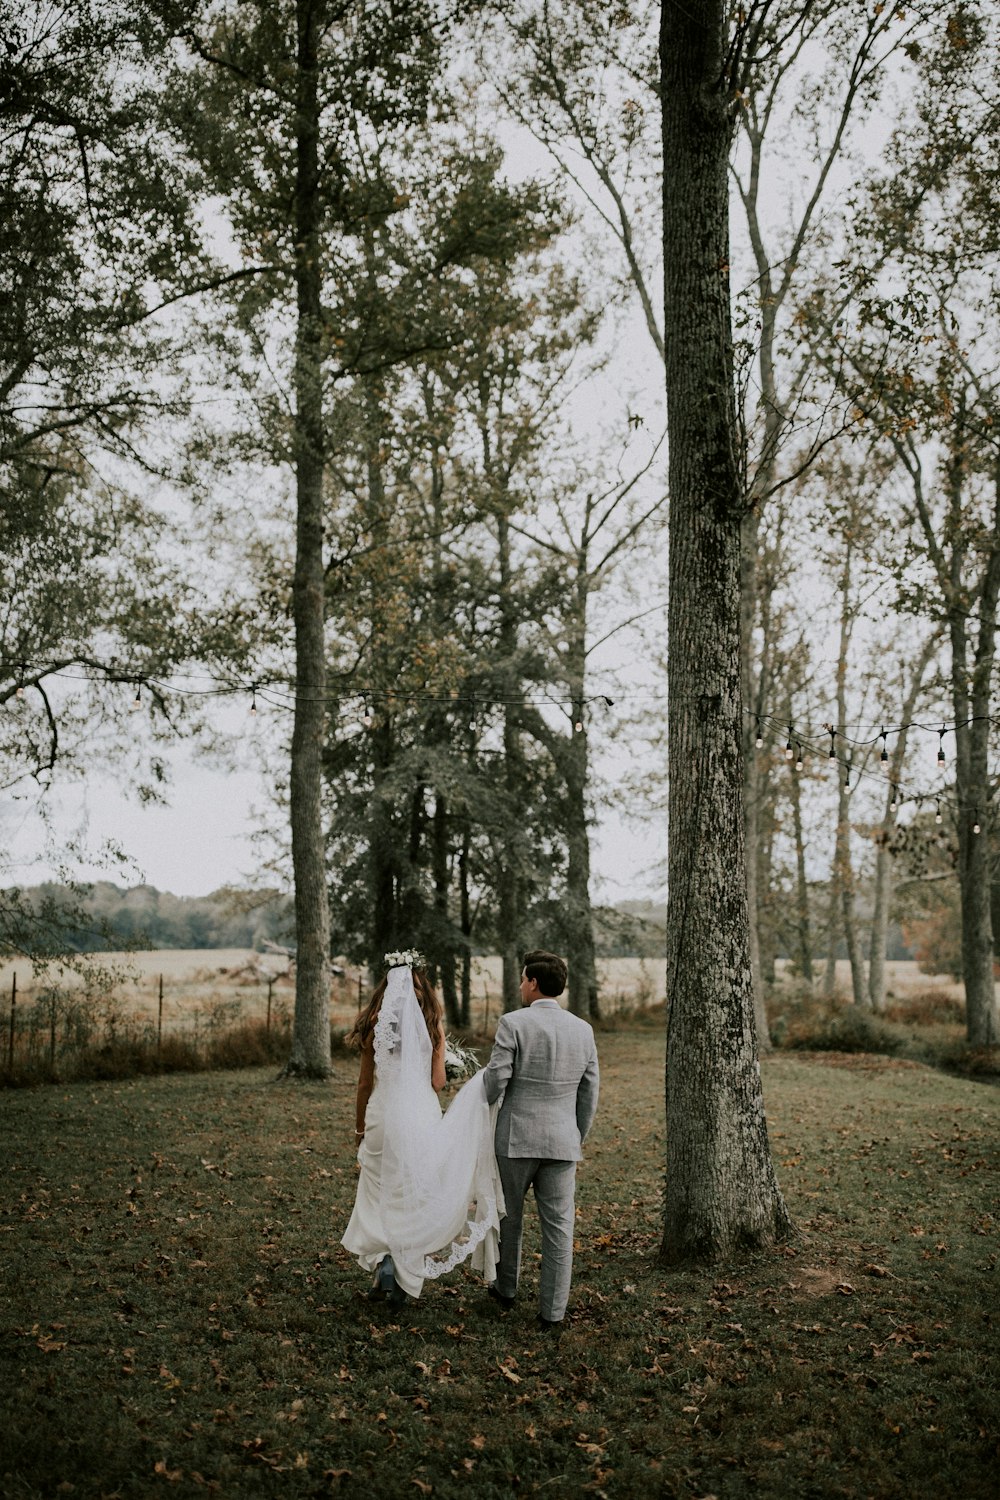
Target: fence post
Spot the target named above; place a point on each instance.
(270, 987)
(159, 1019)
(13, 1008)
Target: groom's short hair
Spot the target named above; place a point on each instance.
(549, 969)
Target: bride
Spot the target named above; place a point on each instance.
(429, 1194)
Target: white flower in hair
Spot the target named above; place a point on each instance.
(407, 957)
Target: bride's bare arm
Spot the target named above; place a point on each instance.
(366, 1081)
(438, 1076)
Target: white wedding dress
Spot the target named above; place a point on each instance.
(429, 1192)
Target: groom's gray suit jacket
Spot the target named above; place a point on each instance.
(544, 1066)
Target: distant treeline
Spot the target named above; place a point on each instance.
(95, 918)
(89, 919)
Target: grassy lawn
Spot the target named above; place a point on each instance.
(179, 1316)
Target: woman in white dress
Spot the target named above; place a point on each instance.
(429, 1193)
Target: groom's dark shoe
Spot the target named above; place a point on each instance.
(546, 1325)
(505, 1302)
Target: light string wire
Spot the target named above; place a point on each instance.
(280, 692)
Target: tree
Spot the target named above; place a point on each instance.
(97, 599)
(287, 107)
(923, 371)
(722, 1194)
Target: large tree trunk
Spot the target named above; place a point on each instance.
(721, 1191)
(573, 764)
(442, 919)
(465, 922)
(971, 701)
(310, 1054)
(381, 847)
(803, 923)
(509, 879)
(832, 935)
(751, 767)
(842, 847)
(883, 854)
(583, 994)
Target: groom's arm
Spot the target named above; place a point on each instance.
(586, 1095)
(497, 1073)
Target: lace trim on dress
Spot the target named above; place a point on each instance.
(463, 1247)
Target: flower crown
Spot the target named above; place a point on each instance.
(408, 958)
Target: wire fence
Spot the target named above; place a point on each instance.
(72, 1028)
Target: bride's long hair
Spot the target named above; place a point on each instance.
(427, 998)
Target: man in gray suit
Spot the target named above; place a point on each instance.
(544, 1067)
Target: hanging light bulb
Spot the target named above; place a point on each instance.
(759, 741)
(20, 690)
(894, 799)
(253, 703)
(788, 743)
(136, 702)
(847, 772)
(884, 757)
(940, 754)
(578, 726)
(937, 811)
(799, 762)
(832, 752)
(366, 714)
(975, 826)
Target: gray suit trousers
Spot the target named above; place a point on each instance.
(554, 1183)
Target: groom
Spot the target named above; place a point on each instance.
(544, 1066)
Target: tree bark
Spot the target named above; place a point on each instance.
(883, 856)
(971, 684)
(803, 924)
(721, 1191)
(842, 845)
(583, 993)
(310, 1051)
(751, 767)
(509, 881)
(465, 923)
(442, 922)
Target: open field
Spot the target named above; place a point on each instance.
(179, 1317)
(206, 985)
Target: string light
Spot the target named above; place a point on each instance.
(282, 690)
(975, 826)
